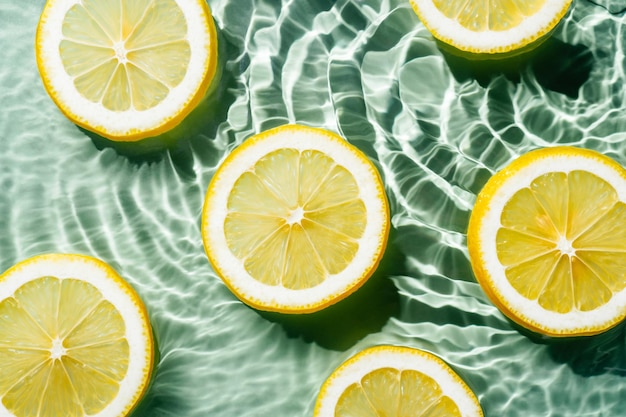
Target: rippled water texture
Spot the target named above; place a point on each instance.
(437, 126)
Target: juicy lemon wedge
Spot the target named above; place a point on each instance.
(75, 340)
(490, 26)
(396, 382)
(126, 70)
(295, 219)
(547, 241)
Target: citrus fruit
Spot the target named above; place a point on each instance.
(490, 27)
(547, 241)
(75, 339)
(126, 70)
(395, 381)
(295, 219)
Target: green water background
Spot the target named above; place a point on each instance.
(437, 127)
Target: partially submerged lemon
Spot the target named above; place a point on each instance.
(547, 241)
(75, 340)
(395, 381)
(126, 70)
(295, 219)
(490, 26)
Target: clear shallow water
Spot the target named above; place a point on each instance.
(437, 127)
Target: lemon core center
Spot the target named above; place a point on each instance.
(565, 246)
(57, 350)
(295, 216)
(120, 52)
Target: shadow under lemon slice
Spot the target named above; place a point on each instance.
(295, 219)
(127, 70)
(547, 241)
(395, 381)
(490, 29)
(75, 339)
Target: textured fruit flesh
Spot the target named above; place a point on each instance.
(62, 347)
(484, 15)
(563, 241)
(389, 392)
(295, 218)
(125, 55)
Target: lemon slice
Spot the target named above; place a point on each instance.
(295, 219)
(395, 381)
(126, 69)
(490, 26)
(547, 241)
(75, 340)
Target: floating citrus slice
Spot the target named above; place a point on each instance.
(547, 241)
(495, 26)
(395, 382)
(75, 340)
(126, 69)
(295, 219)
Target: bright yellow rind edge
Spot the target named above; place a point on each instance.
(474, 244)
(249, 299)
(390, 349)
(119, 283)
(494, 51)
(134, 135)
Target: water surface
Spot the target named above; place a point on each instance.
(437, 127)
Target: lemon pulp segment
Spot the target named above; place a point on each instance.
(563, 241)
(492, 15)
(295, 218)
(62, 347)
(125, 55)
(392, 392)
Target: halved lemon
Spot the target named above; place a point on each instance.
(295, 219)
(490, 26)
(75, 340)
(547, 241)
(395, 381)
(126, 70)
